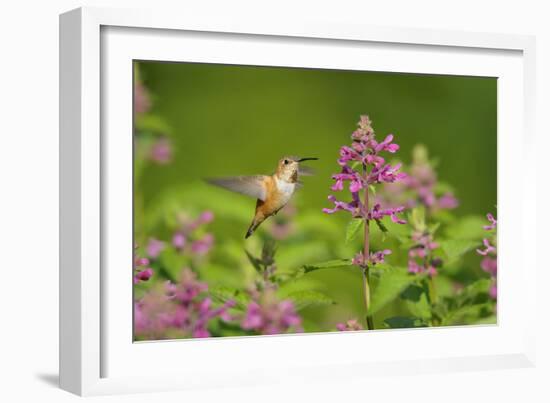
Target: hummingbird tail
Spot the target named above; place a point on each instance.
(251, 229)
(255, 224)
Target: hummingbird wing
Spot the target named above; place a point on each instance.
(305, 171)
(253, 186)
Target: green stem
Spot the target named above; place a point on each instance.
(366, 254)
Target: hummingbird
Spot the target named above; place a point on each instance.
(272, 192)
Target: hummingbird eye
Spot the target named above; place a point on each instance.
(285, 162)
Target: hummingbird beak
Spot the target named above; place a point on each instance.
(307, 159)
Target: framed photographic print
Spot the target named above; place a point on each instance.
(247, 201)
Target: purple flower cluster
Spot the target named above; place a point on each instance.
(350, 325)
(418, 187)
(183, 309)
(364, 152)
(161, 150)
(374, 258)
(154, 248)
(266, 314)
(142, 271)
(489, 253)
(142, 101)
(185, 238)
(420, 255)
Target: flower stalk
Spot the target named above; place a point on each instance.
(364, 152)
(366, 252)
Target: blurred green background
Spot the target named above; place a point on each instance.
(237, 120)
(231, 120)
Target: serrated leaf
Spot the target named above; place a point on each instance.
(353, 228)
(303, 299)
(454, 249)
(391, 283)
(330, 264)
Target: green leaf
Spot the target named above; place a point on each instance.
(421, 308)
(381, 225)
(330, 264)
(478, 287)
(434, 227)
(353, 228)
(418, 218)
(469, 227)
(465, 314)
(152, 123)
(401, 322)
(172, 263)
(412, 293)
(223, 294)
(454, 249)
(303, 299)
(391, 283)
(257, 263)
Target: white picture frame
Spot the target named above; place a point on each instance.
(96, 354)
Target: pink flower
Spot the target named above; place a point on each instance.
(374, 258)
(364, 153)
(267, 315)
(493, 223)
(203, 245)
(488, 248)
(143, 275)
(184, 308)
(377, 213)
(154, 248)
(161, 151)
(350, 325)
(493, 289)
(178, 240)
(206, 217)
(421, 258)
(448, 201)
(353, 207)
(489, 262)
(142, 102)
(418, 186)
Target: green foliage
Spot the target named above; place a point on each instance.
(152, 124)
(456, 248)
(208, 122)
(389, 286)
(307, 298)
(402, 322)
(331, 264)
(223, 294)
(353, 228)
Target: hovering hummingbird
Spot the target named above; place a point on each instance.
(271, 191)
